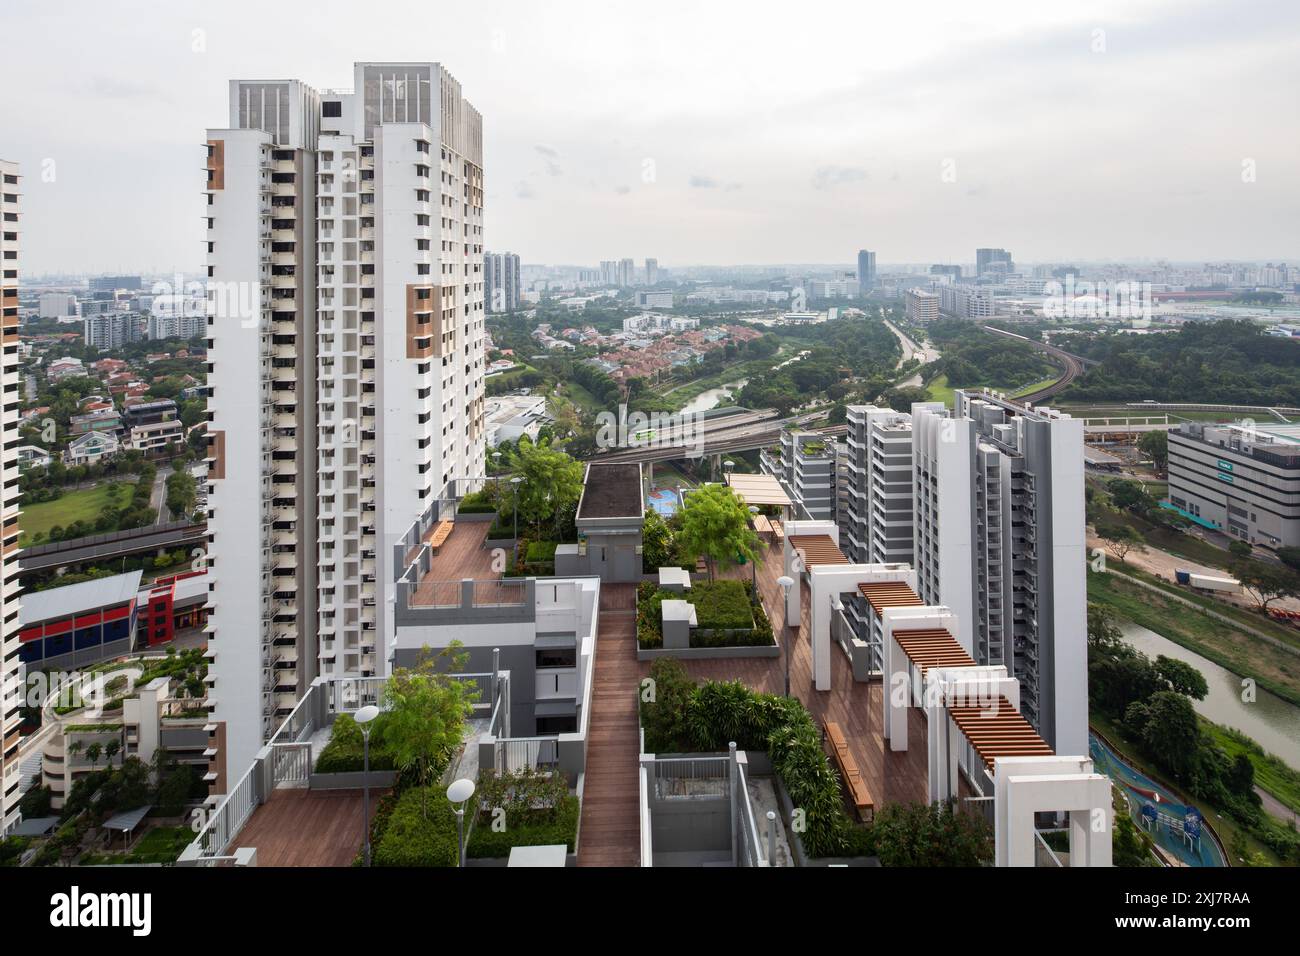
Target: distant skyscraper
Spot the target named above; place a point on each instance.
(11, 688)
(626, 273)
(651, 271)
(501, 281)
(866, 270)
(985, 258)
(347, 365)
(941, 270)
(609, 272)
(112, 330)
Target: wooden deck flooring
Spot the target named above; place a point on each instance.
(462, 555)
(307, 828)
(610, 833)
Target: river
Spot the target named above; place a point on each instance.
(1271, 721)
(710, 398)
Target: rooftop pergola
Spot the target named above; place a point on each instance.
(817, 549)
(759, 490)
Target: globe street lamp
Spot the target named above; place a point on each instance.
(786, 583)
(458, 793)
(514, 496)
(753, 564)
(363, 718)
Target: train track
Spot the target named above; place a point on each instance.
(1072, 364)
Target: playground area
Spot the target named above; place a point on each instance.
(1178, 829)
(664, 500)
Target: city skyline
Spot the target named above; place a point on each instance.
(1101, 110)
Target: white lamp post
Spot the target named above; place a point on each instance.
(786, 583)
(514, 496)
(363, 717)
(458, 793)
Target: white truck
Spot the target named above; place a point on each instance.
(1207, 582)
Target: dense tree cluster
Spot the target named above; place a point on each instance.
(1231, 362)
(972, 357)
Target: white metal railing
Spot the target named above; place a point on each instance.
(225, 822)
(687, 777)
(748, 842)
(1043, 854)
(647, 836)
(290, 765)
(515, 753)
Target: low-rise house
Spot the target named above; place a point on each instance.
(90, 448)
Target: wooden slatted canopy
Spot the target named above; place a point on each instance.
(817, 549)
(932, 647)
(998, 731)
(883, 594)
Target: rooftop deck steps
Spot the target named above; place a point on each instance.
(610, 832)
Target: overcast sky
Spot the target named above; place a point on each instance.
(706, 132)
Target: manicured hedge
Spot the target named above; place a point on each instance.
(526, 827)
(345, 753)
(477, 503)
(721, 605)
(541, 550)
(420, 830)
(724, 614)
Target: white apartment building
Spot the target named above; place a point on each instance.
(965, 302)
(501, 281)
(920, 306)
(654, 300)
(998, 513)
(11, 685)
(59, 305)
(112, 330)
(347, 364)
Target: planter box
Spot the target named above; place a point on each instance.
(356, 780)
(474, 516)
(796, 844)
(499, 543)
(707, 653)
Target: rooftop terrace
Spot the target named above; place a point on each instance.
(611, 491)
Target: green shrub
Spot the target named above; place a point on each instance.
(920, 834)
(478, 502)
(345, 753)
(541, 551)
(684, 717)
(526, 827)
(721, 605)
(420, 831)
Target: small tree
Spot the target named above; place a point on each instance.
(93, 753)
(75, 748)
(1156, 445)
(111, 749)
(1122, 539)
(424, 714)
(715, 526)
(1265, 583)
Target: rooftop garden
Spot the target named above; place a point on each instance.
(527, 808)
(686, 717)
(725, 612)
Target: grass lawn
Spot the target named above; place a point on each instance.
(1230, 648)
(159, 845)
(1035, 386)
(939, 390)
(581, 397)
(85, 504)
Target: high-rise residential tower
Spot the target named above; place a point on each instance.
(998, 516)
(346, 384)
(651, 271)
(866, 271)
(11, 685)
(986, 258)
(501, 281)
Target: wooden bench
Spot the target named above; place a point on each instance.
(778, 531)
(857, 786)
(441, 532)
